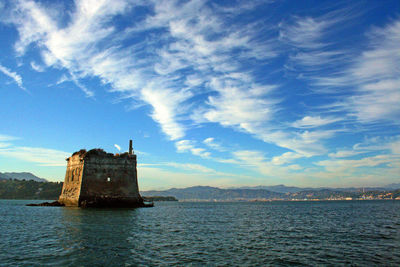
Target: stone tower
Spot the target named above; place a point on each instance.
(95, 178)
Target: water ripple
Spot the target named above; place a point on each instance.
(362, 233)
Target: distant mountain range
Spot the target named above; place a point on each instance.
(292, 189)
(20, 176)
(268, 192)
(256, 192)
(213, 193)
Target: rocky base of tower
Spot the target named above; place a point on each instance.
(109, 202)
(48, 204)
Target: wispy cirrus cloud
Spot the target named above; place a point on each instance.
(304, 32)
(189, 146)
(344, 153)
(347, 164)
(166, 108)
(41, 156)
(313, 51)
(196, 47)
(285, 158)
(313, 122)
(7, 138)
(210, 142)
(184, 43)
(191, 167)
(381, 146)
(372, 76)
(377, 73)
(13, 75)
(191, 63)
(36, 67)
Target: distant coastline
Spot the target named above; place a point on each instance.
(29, 189)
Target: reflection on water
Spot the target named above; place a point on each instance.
(278, 233)
(101, 236)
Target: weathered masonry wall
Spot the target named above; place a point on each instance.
(109, 180)
(96, 178)
(72, 183)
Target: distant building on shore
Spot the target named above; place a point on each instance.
(96, 178)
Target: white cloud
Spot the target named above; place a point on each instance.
(117, 147)
(312, 53)
(374, 74)
(350, 165)
(7, 138)
(42, 156)
(13, 75)
(191, 167)
(200, 152)
(183, 145)
(239, 105)
(184, 43)
(62, 79)
(36, 67)
(295, 167)
(188, 146)
(344, 153)
(395, 147)
(312, 122)
(255, 160)
(314, 60)
(210, 142)
(285, 158)
(167, 105)
(306, 143)
(304, 32)
(208, 58)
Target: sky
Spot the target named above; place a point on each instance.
(218, 93)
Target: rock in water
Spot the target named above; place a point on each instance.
(48, 204)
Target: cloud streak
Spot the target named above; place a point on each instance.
(13, 75)
(41, 156)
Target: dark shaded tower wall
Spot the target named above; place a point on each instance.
(110, 180)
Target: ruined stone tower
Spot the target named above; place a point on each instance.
(95, 178)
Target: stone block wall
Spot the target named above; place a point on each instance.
(72, 183)
(97, 178)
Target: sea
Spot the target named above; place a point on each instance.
(320, 233)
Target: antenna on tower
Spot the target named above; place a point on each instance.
(130, 147)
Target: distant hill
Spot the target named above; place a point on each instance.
(276, 188)
(207, 193)
(292, 189)
(20, 176)
(393, 186)
(4, 177)
(29, 189)
(214, 193)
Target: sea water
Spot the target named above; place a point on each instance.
(350, 233)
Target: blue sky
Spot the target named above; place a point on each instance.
(220, 93)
